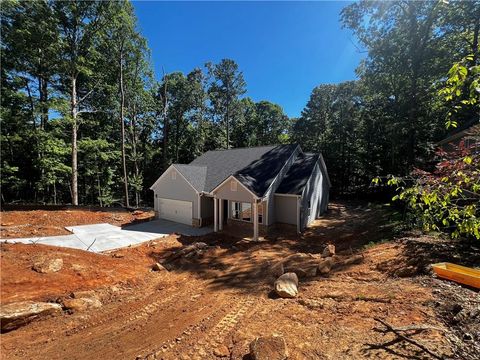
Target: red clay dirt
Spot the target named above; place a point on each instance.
(18, 224)
(223, 297)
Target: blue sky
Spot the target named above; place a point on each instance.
(284, 49)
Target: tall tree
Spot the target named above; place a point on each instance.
(80, 23)
(227, 85)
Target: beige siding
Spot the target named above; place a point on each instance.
(176, 189)
(225, 192)
(286, 209)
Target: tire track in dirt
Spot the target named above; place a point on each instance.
(216, 322)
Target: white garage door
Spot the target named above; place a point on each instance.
(175, 210)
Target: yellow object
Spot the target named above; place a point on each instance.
(458, 273)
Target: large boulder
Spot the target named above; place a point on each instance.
(286, 286)
(45, 266)
(18, 314)
(268, 348)
(82, 304)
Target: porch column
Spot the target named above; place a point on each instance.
(215, 214)
(255, 220)
(220, 208)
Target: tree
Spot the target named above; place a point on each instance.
(80, 23)
(227, 85)
(405, 46)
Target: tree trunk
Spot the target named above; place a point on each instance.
(165, 123)
(43, 90)
(134, 151)
(74, 113)
(122, 122)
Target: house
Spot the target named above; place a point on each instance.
(257, 186)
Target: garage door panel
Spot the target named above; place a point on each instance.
(175, 210)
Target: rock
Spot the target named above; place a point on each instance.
(268, 348)
(304, 265)
(221, 351)
(325, 266)
(18, 314)
(277, 269)
(82, 304)
(46, 266)
(158, 267)
(407, 271)
(83, 294)
(8, 224)
(328, 251)
(286, 286)
(356, 259)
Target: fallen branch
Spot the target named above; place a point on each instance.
(401, 337)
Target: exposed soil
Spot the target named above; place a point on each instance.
(45, 222)
(223, 297)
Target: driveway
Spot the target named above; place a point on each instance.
(103, 237)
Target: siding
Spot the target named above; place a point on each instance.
(224, 192)
(312, 194)
(286, 209)
(177, 189)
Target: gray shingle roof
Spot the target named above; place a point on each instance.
(298, 174)
(255, 167)
(259, 175)
(195, 175)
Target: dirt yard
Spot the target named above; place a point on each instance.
(18, 224)
(216, 303)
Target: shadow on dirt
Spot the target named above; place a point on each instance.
(238, 263)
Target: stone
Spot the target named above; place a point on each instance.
(286, 286)
(46, 266)
(83, 294)
(14, 315)
(221, 351)
(304, 265)
(268, 348)
(328, 251)
(82, 304)
(277, 269)
(158, 267)
(325, 266)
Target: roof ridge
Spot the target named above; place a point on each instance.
(250, 147)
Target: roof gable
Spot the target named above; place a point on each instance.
(298, 174)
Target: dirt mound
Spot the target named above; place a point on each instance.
(15, 224)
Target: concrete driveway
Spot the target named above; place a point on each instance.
(103, 237)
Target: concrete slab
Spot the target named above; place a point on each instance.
(104, 237)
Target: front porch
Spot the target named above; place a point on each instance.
(240, 214)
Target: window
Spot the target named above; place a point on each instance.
(236, 210)
(174, 175)
(246, 214)
(260, 213)
(233, 185)
(243, 211)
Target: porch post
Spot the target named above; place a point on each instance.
(255, 220)
(215, 214)
(220, 208)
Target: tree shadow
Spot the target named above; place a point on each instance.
(238, 263)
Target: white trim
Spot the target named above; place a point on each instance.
(215, 214)
(233, 177)
(199, 215)
(178, 172)
(322, 161)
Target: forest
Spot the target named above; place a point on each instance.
(84, 120)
